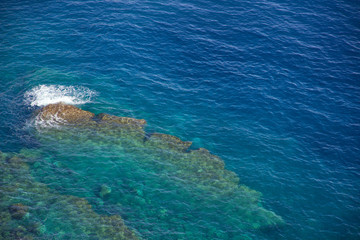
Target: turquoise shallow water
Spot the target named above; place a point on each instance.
(271, 87)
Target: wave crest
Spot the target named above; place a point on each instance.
(43, 95)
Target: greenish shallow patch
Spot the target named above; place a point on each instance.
(163, 192)
(31, 210)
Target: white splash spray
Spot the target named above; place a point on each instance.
(43, 95)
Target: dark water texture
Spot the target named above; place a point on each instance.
(272, 87)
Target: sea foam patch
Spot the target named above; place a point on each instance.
(43, 95)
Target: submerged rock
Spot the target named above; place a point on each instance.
(132, 122)
(18, 211)
(105, 190)
(36, 228)
(64, 113)
(203, 156)
(166, 141)
(122, 127)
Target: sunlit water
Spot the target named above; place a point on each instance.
(270, 87)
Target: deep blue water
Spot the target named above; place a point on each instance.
(272, 87)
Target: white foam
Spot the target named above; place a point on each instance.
(43, 95)
(53, 122)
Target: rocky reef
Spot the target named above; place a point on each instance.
(195, 180)
(31, 210)
(132, 122)
(64, 114)
(165, 141)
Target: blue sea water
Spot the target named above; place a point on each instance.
(272, 87)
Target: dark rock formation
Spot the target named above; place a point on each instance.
(18, 211)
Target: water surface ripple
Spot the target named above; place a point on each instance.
(272, 87)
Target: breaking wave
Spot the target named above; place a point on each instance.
(43, 95)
